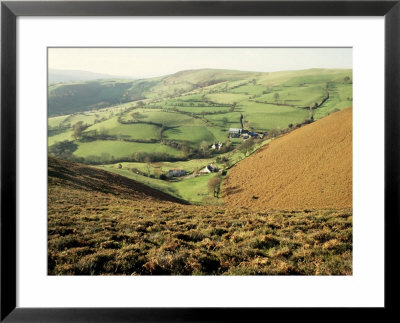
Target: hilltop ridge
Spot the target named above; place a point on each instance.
(92, 94)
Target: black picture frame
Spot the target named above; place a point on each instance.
(10, 10)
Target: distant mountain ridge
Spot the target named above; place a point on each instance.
(56, 76)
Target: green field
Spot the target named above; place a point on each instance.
(87, 118)
(193, 135)
(193, 189)
(341, 96)
(262, 117)
(119, 149)
(205, 109)
(65, 135)
(227, 98)
(298, 96)
(225, 120)
(189, 166)
(56, 121)
(167, 118)
(131, 131)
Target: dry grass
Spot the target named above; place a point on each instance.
(310, 167)
(104, 224)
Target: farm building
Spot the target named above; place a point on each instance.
(176, 172)
(217, 146)
(235, 132)
(208, 169)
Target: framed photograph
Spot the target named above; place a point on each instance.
(197, 160)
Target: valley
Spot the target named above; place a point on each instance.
(144, 128)
(201, 172)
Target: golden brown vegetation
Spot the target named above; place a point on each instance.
(310, 167)
(101, 223)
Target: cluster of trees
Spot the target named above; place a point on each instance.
(182, 146)
(63, 150)
(347, 79)
(139, 156)
(214, 185)
(247, 146)
(293, 126)
(78, 129)
(52, 131)
(198, 104)
(208, 83)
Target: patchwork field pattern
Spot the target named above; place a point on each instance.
(186, 109)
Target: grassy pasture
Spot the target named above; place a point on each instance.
(120, 149)
(227, 98)
(130, 131)
(194, 135)
(341, 96)
(157, 184)
(169, 119)
(220, 134)
(66, 135)
(194, 189)
(196, 76)
(87, 118)
(205, 109)
(263, 117)
(298, 96)
(226, 120)
(188, 166)
(54, 122)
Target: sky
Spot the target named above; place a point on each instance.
(150, 62)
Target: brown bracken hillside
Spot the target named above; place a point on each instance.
(311, 167)
(79, 176)
(104, 224)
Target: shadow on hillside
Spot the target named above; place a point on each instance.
(233, 190)
(87, 178)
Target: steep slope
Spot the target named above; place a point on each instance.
(310, 167)
(81, 177)
(104, 224)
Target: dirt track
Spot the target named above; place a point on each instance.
(310, 167)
